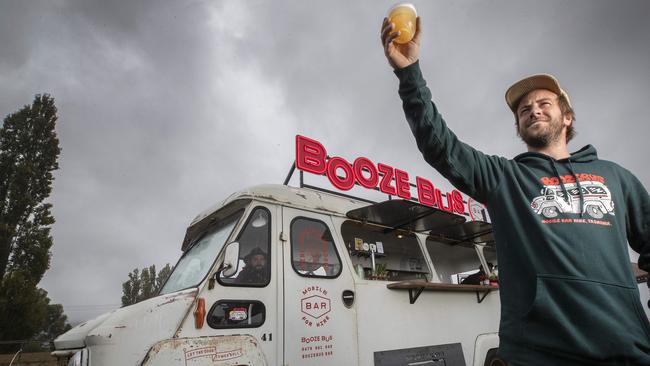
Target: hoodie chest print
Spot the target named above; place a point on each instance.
(579, 198)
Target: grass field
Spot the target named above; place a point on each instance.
(29, 359)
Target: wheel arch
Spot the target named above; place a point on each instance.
(483, 345)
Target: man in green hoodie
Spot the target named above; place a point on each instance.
(562, 223)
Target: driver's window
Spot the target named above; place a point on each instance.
(313, 253)
(254, 267)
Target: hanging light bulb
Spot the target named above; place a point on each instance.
(260, 219)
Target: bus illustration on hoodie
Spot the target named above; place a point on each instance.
(590, 197)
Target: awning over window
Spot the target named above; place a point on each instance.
(446, 227)
(403, 214)
(473, 232)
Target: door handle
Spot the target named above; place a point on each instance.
(348, 298)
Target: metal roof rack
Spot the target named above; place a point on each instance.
(304, 185)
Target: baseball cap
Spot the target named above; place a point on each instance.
(525, 85)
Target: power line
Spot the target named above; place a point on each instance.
(89, 306)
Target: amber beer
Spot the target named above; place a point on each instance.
(403, 18)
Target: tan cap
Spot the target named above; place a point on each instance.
(526, 85)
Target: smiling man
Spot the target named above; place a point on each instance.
(562, 223)
(543, 114)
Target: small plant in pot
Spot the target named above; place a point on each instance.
(380, 272)
(494, 279)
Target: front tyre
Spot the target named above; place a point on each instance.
(491, 359)
(549, 212)
(595, 212)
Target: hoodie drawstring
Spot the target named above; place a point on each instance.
(582, 197)
(567, 198)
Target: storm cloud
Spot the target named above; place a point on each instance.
(165, 108)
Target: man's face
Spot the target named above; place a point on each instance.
(258, 262)
(541, 122)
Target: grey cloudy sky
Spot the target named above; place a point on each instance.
(166, 107)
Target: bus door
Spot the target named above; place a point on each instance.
(319, 314)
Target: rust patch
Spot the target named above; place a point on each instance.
(166, 302)
(270, 198)
(183, 295)
(172, 298)
(321, 208)
(180, 328)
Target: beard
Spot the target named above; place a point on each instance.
(543, 137)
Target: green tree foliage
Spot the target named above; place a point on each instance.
(148, 282)
(56, 323)
(29, 149)
(131, 288)
(144, 284)
(23, 309)
(163, 275)
(27, 313)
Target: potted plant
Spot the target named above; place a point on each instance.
(494, 279)
(380, 272)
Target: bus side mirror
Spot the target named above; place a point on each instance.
(231, 260)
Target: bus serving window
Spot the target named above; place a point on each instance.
(254, 268)
(313, 253)
(453, 263)
(397, 255)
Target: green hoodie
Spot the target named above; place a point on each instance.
(568, 294)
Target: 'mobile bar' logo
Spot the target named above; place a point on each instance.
(311, 157)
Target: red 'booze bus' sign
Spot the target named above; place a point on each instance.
(311, 157)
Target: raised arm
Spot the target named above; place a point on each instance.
(468, 169)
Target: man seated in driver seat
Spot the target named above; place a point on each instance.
(255, 270)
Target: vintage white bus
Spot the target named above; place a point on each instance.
(281, 275)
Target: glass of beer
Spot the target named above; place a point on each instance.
(403, 17)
